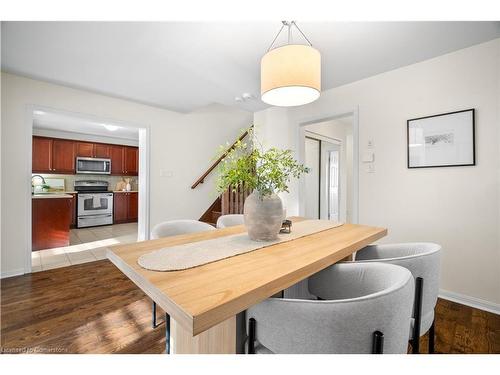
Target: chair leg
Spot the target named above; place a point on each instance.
(432, 337)
(415, 343)
(378, 343)
(167, 334)
(251, 335)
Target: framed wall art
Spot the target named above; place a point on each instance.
(444, 140)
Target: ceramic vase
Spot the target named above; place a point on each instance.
(263, 215)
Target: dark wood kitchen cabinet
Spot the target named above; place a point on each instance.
(50, 224)
(120, 208)
(116, 155)
(125, 207)
(50, 155)
(92, 150)
(101, 150)
(42, 155)
(124, 160)
(54, 155)
(85, 149)
(63, 156)
(131, 161)
(133, 206)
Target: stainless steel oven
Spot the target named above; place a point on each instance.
(95, 203)
(93, 166)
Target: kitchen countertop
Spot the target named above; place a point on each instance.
(51, 195)
(120, 191)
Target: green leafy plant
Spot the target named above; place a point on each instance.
(265, 171)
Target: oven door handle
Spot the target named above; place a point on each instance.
(91, 196)
(93, 216)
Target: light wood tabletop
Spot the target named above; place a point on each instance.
(205, 296)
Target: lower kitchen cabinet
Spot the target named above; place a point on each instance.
(50, 224)
(133, 206)
(125, 207)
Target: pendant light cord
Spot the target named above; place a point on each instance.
(289, 25)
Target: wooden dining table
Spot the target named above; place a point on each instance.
(203, 301)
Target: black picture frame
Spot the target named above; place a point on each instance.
(473, 128)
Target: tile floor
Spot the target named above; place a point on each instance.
(86, 245)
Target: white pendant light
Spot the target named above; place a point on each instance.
(290, 75)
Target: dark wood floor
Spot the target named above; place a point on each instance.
(94, 308)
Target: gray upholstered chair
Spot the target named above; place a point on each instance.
(363, 308)
(225, 221)
(174, 228)
(423, 261)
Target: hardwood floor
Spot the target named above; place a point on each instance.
(94, 308)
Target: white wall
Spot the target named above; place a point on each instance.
(181, 144)
(457, 207)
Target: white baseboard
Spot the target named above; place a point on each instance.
(477, 303)
(11, 273)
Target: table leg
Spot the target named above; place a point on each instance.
(220, 339)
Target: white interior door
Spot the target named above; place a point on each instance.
(330, 188)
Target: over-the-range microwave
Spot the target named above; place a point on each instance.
(93, 165)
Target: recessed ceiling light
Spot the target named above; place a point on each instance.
(39, 112)
(111, 128)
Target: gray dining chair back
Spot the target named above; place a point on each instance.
(231, 220)
(423, 261)
(359, 302)
(176, 227)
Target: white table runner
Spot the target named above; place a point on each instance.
(195, 254)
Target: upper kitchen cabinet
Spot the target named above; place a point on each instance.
(102, 150)
(116, 153)
(131, 161)
(124, 160)
(92, 150)
(85, 149)
(54, 155)
(42, 155)
(63, 156)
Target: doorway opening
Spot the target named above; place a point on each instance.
(330, 189)
(89, 179)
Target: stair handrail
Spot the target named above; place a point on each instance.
(216, 163)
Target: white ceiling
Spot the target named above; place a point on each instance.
(185, 65)
(46, 120)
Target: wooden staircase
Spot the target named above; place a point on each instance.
(231, 201)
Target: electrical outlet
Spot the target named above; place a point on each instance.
(370, 168)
